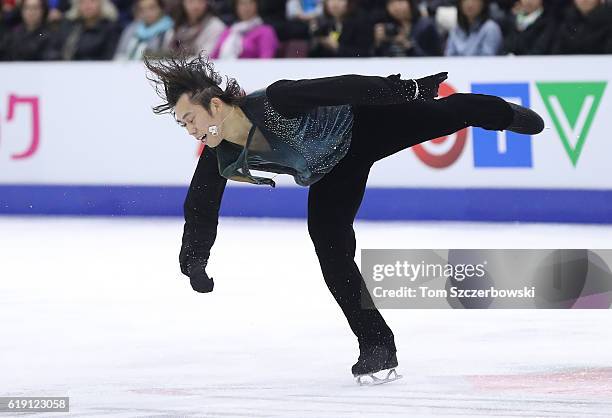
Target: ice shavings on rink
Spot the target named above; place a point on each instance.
(96, 309)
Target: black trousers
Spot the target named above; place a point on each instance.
(333, 201)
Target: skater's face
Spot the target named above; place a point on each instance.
(586, 6)
(196, 119)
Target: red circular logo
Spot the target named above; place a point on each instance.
(443, 151)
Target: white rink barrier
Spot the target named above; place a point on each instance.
(80, 138)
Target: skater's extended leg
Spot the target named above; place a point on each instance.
(333, 202)
(385, 130)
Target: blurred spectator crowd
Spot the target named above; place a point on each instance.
(34, 30)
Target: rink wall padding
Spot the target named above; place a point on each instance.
(394, 204)
(81, 139)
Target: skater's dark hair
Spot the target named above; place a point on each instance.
(172, 76)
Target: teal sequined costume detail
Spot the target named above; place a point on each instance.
(306, 147)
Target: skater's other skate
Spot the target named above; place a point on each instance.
(374, 359)
(525, 121)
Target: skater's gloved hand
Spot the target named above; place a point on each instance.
(196, 271)
(200, 282)
(193, 261)
(428, 86)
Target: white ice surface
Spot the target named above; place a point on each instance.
(96, 309)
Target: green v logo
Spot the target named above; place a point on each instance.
(572, 107)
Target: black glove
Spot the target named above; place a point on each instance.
(193, 261)
(428, 86)
(200, 282)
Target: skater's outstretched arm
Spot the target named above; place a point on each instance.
(294, 97)
(201, 210)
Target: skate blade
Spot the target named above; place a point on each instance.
(371, 379)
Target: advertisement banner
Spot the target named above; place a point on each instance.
(87, 130)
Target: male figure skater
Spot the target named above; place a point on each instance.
(327, 133)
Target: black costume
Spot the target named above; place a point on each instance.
(385, 118)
